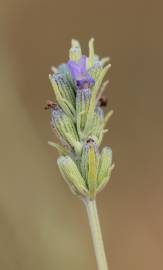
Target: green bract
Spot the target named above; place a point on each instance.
(79, 122)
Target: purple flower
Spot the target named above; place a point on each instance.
(80, 74)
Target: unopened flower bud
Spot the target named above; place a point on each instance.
(65, 128)
(105, 168)
(89, 166)
(95, 70)
(64, 93)
(64, 87)
(72, 175)
(97, 129)
(83, 97)
(63, 69)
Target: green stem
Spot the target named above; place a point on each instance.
(96, 234)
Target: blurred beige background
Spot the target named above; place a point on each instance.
(42, 225)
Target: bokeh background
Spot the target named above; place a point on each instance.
(42, 225)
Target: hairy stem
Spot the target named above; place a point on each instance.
(96, 234)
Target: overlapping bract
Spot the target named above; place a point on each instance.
(79, 121)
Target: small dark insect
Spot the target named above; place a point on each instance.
(90, 140)
(50, 105)
(103, 102)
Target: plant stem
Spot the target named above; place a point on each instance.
(96, 234)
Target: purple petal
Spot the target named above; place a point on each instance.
(79, 72)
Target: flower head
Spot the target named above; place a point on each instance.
(79, 121)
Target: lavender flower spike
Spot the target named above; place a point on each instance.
(80, 123)
(79, 72)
